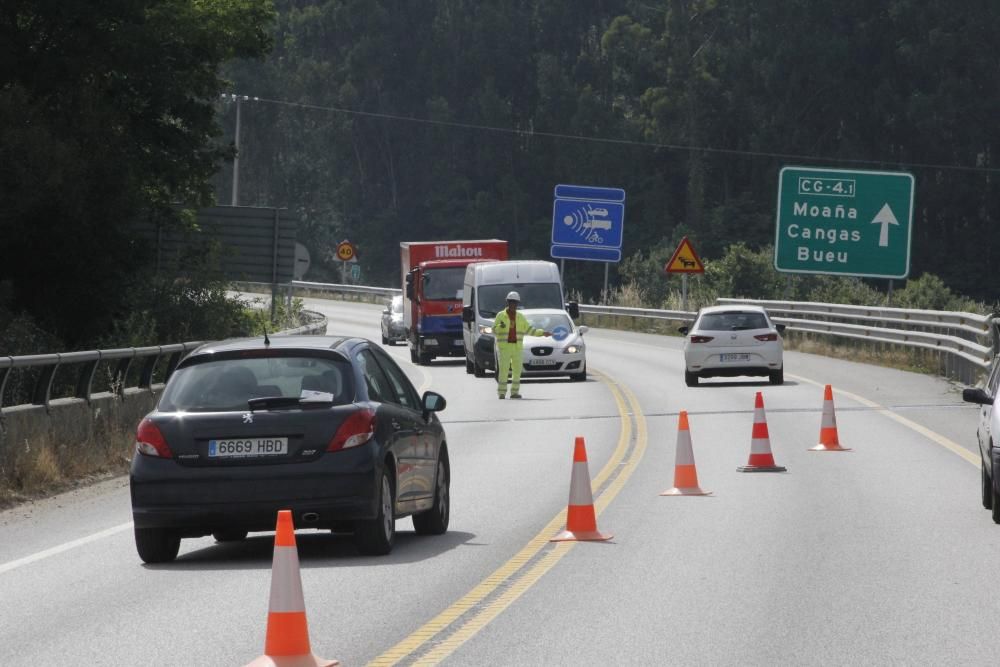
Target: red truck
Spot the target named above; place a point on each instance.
(433, 276)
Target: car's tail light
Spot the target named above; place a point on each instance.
(150, 441)
(767, 338)
(701, 339)
(356, 430)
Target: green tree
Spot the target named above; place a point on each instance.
(106, 114)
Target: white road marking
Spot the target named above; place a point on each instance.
(62, 548)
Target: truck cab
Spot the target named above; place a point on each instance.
(433, 273)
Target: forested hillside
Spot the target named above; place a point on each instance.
(452, 119)
(380, 121)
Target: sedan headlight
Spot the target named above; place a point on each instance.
(485, 329)
(573, 349)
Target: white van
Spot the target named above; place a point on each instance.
(484, 294)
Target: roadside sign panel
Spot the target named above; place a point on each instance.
(588, 223)
(836, 221)
(345, 251)
(684, 259)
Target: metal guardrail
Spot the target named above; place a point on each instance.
(346, 289)
(954, 334)
(122, 359)
(957, 334)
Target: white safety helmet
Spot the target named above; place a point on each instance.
(513, 296)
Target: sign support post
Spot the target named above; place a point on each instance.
(684, 261)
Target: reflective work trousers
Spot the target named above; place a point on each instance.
(510, 361)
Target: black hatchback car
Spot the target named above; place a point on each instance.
(329, 428)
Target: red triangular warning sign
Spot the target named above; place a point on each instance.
(684, 259)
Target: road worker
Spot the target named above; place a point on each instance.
(510, 327)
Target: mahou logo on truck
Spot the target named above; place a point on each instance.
(456, 252)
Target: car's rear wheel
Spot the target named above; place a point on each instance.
(987, 487)
(690, 379)
(385, 339)
(374, 537)
(777, 377)
(435, 520)
(230, 535)
(157, 545)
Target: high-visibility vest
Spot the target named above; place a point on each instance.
(501, 328)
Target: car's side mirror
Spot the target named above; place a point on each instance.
(977, 396)
(468, 315)
(573, 308)
(432, 402)
(684, 330)
(780, 328)
(385, 312)
(583, 329)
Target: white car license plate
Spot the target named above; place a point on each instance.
(734, 357)
(243, 447)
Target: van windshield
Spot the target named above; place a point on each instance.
(493, 298)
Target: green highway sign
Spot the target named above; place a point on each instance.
(855, 223)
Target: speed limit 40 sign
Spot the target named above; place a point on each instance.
(345, 251)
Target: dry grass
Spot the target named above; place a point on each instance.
(43, 468)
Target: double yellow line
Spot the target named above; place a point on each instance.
(487, 600)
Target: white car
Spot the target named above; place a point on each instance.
(988, 433)
(563, 353)
(728, 341)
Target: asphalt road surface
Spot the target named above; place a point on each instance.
(875, 556)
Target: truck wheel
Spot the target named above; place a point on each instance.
(413, 356)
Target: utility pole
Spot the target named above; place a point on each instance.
(236, 159)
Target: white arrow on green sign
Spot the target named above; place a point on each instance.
(855, 223)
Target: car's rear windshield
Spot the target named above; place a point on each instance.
(732, 321)
(493, 298)
(227, 384)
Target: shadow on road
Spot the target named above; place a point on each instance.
(316, 549)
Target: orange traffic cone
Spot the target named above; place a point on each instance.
(287, 643)
(685, 473)
(828, 439)
(761, 459)
(581, 520)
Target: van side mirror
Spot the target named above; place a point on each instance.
(573, 308)
(468, 315)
